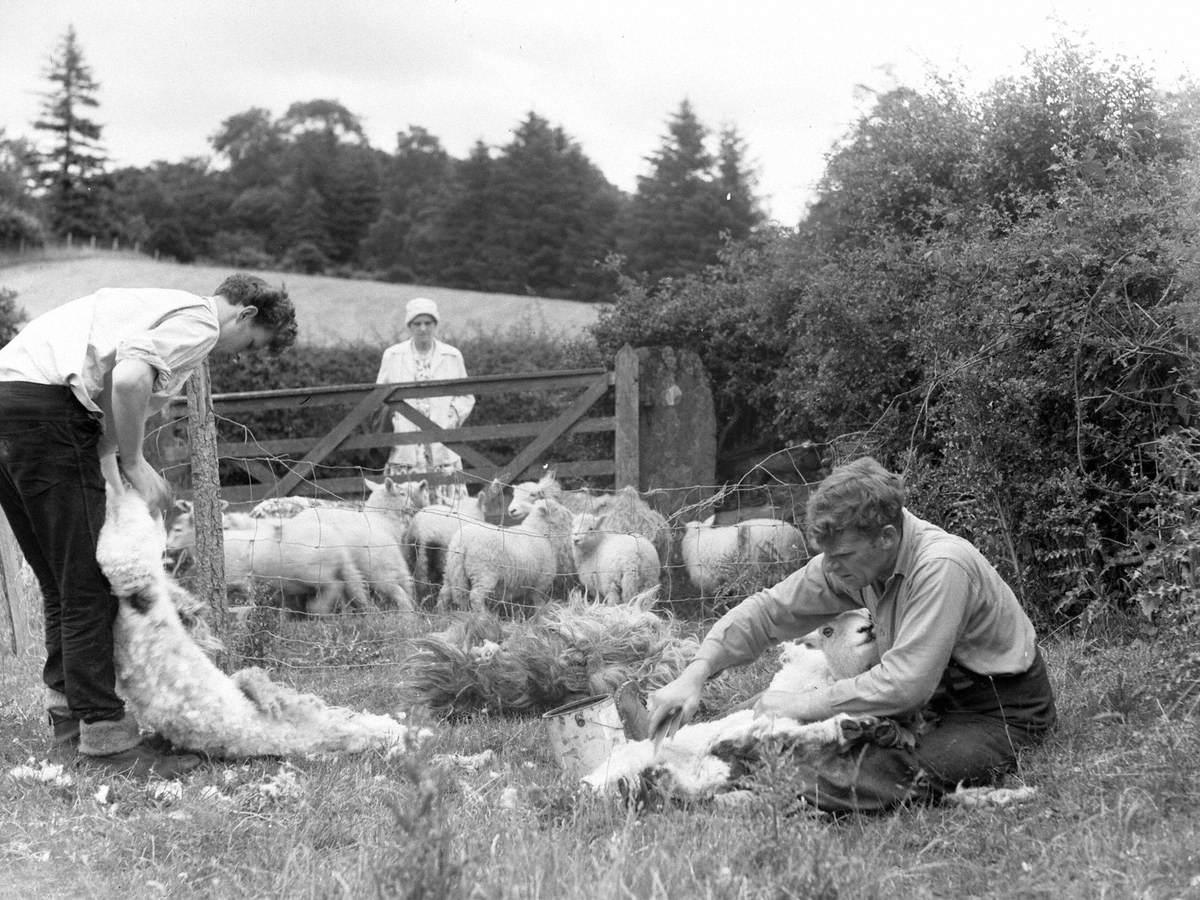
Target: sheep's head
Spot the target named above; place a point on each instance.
(585, 529)
(847, 642)
(527, 493)
(397, 496)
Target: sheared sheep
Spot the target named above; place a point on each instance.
(690, 765)
(714, 555)
(623, 510)
(612, 566)
(513, 566)
(286, 507)
(327, 555)
(174, 688)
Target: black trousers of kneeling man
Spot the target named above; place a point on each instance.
(977, 727)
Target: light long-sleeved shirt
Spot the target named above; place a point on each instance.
(942, 602)
(79, 343)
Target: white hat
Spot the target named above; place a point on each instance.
(420, 306)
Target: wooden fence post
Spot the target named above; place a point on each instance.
(17, 610)
(206, 494)
(626, 452)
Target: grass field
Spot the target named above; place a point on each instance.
(330, 310)
(1114, 815)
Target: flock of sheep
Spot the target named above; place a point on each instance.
(407, 552)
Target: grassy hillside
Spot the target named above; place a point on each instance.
(330, 310)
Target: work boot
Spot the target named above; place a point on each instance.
(64, 725)
(115, 746)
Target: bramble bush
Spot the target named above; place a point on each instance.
(996, 295)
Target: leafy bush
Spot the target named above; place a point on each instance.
(11, 315)
(996, 295)
(171, 239)
(307, 258)
(241, 249)
(18, 226)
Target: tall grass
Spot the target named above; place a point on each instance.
(1114, 816)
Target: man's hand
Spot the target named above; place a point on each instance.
(681, 694)
(146, 481)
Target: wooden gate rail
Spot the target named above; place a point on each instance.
(366, 399)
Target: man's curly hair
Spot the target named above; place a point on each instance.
(275, 310)
(861, 495)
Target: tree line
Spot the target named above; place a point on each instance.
(305, 191)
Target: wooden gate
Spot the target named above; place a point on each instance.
(365, 400)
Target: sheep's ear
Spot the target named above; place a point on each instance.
(224, 505)
(389, 484)
(372, 485)
(183, 505)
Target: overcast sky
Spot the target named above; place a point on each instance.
(609, 72)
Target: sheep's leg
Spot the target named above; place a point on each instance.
(421, 566)
(612, 596)
(355, 587)
(481, 590)
(325, 601)
(401, 594)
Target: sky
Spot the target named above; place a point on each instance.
(792, 76)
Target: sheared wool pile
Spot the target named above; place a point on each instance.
(567, 650)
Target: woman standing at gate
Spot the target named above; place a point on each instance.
(424, 358)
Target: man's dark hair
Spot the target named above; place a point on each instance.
(861, 496)
(275, 309)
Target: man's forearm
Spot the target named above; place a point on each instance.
(132, 385)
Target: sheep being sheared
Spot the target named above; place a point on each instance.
(690, 765)
(174, 688)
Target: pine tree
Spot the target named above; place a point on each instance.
(678, 216)
(73, 169)
(741, 212)
(555, 214)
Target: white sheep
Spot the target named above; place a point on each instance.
(713, 555)
(174, 688)
(623, 510)
(687, 765)
(511, 565)
(182, 532)
(612, 566)
(324, 556)
(430, 532)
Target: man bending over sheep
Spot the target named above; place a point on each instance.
(76, 387)
(953, 639)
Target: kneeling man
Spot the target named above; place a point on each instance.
(954, 643)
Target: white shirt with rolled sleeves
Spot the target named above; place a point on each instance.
(400, 364)
(78, 343)
(943, 601)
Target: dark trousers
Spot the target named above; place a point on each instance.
(52, 492)
(979, 726)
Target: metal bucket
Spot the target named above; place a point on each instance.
(584, 733)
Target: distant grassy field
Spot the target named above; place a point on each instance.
(330, 310)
